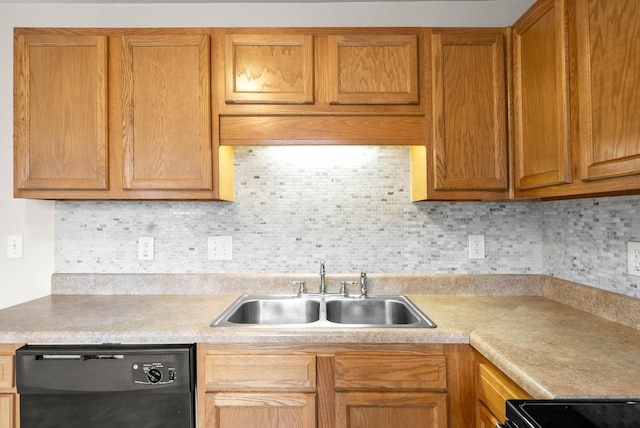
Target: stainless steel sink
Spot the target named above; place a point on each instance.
(268, 311)
(323, 311)
(375, 311)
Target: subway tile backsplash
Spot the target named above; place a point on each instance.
(350, 206)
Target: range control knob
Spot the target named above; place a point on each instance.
(154, 375)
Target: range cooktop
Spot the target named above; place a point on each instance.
(573, 413)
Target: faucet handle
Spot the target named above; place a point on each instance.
(343, 287)
(301, 290)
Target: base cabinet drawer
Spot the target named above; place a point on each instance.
(391, 409)
(258, 410)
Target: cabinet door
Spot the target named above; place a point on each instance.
(167, 115)
(541, 109)
(7, 411)
(260, 410)
(373, 69)
(609, 93)
(269, 68)
(484, 417)
(469, 109)
(390, 409)
(60, 118)
(494, 388)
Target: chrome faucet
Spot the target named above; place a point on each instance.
(363, 285)
(323, 287)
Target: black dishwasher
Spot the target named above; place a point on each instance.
(106, 386)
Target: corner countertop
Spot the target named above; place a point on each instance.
(547, 347)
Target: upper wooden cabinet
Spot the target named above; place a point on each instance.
(373, 69)
(60, 115)
(166, 112)
(272, 69)
(465, 156)
(577, 114)
(541, 96)
(115, 114)
(608, 38)
(310, 71)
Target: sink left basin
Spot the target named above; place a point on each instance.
(269, 310)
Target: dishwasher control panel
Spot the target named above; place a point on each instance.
(149, 373)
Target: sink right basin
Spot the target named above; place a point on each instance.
(380, 311)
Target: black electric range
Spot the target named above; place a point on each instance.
(582, 413)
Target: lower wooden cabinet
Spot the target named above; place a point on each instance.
(7, 411)
(328, 386)
(391, 409)
(492, 389)
(250, 409)
(8, 397)
(484, 417)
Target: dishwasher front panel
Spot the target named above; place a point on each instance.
(106, 386)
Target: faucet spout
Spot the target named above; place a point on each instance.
(364, 287)
(323, 287)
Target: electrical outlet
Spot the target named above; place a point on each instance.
(633, 258)
(14, 246)
(476, 247)
(220, 247)
(145, 248)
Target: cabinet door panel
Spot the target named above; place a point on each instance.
(397, 409)
(484, 417)
(541, 109)
(373, 69)
(268, 410)
(60, 112)
(609, 72)
(7, 411)
(469, 109)
(6, 371)
(269, 68)
(166, 97)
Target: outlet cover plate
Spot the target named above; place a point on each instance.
(633, 258)
(220, 247)
(476, 247)
(145, 248)
(14, 246)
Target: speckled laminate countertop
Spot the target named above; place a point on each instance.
(547, 347)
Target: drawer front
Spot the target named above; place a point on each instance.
(237, 372)
(494, 388)
(362, 371)
(6, 371)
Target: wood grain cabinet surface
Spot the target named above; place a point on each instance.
(244, 390)
(390, 389)
(288, 86)
(324, 386)
(541, 96)
(9, 403)
(115, 114)
(576, 99)
(465, 155)
(268, 68)
(60, 117)
(492, 389)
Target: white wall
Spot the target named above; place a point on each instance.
(29, 277)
